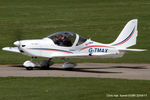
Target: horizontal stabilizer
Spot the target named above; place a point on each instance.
(132, 50)
(11, 49)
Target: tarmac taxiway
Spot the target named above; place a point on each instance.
(98, 70)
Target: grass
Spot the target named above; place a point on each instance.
(100, 20)
(22, 88)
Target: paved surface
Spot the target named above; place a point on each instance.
(99, 70)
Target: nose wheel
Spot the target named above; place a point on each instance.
(29, 64)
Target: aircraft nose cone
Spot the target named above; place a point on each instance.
(16, 43)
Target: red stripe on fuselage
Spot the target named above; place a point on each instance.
(51, 50)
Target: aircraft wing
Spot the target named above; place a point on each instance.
(11, 49)
(57, 55)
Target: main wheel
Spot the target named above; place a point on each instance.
(29, 68)
(45, 64)
(69, 65)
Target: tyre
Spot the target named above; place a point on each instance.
(45, 64)
(29, 68)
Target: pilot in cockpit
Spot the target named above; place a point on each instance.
(67, 41)
(63, 40)
(58, 40)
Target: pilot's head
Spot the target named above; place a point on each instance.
(57, 36)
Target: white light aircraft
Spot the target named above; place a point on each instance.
(70, 45)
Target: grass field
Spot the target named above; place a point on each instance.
(71, 89)
(100, 20)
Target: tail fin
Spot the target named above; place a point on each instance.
(127, 36)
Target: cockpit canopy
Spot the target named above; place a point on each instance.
(66, 39)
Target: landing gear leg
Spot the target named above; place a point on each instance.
(45, 64)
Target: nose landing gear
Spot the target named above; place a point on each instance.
(29, 65)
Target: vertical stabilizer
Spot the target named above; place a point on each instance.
(127, 36)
